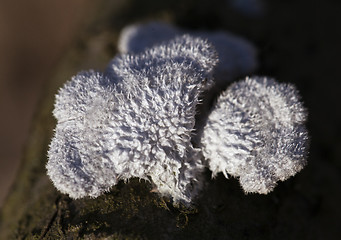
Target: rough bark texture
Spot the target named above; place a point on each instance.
(295, 39)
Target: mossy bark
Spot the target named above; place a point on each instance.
(297, 209)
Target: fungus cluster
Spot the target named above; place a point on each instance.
(138, 118)
(237, 56)
(256, 132)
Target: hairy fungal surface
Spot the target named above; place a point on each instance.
(256, 132)
(135, 120)
(237, 56)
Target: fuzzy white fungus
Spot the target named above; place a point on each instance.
(237, 56)
(135, 120)
(256, 132)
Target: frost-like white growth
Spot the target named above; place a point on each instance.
(135, 120)
(237, 56)
(256, 132)
(192, 56)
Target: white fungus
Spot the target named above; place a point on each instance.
(237, 56)
(138, 117)
(256, 132)
(135, 120)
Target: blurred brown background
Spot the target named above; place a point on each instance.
(33, 36)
